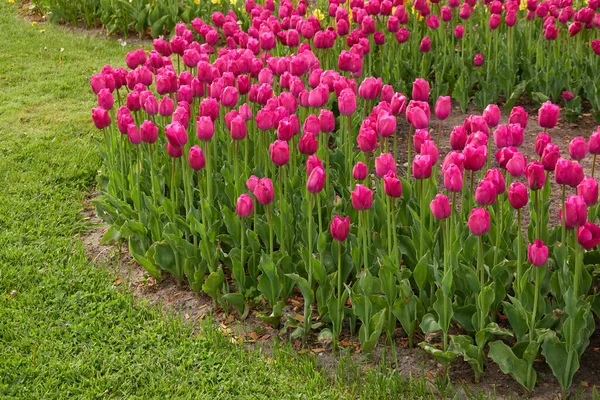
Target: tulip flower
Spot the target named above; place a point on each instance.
(263, 191)
(442, 107)
(485, 194)
(537, 253)
(491, 114)
(550, 156)
(516, 165)
(588, 235)
(347, 102)
(174, 151)
(367, 140)
(548, 115)
(425, 45)
(475, 157)
(176, 134)
(421, 167)
(362, 198)
(205, 128)
(420, 90)
(503, 136)
(386, 124)
(100, 117)
(196, 158)
(453, 178)
(495, 176)
(536, 177)
(517, 195)
(135, 137)
(518, 115)
(252, 182)
(588, 190)
(541, 141)
(326, 121)
(370, 88)
(478, 60)
(417, 114)
(312, 162)
(280, 152)
(392, 185)
(308, 144)
(479, 221)
(384, 164)
(575, 212)
(360, 171)
(440, 207)
(458, 138)
(577, 148)
(316, 180)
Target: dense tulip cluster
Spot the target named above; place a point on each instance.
(223, 167)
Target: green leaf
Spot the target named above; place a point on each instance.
(112, 235)
(463, 346)
(510, 364)
(443, 357)
(421, 272)
(268, 282)
(429, 324)
(237, 300)
(305, 289)
(143, 261)
(213, 285)
(557, 357)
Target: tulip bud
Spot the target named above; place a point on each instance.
(360, 171)
(475, 157)
(308, 144)
(440, 207)
(421, 167)
(176, 134)
(495, 176)
(384, 164)
(479, 221)
(478, 60)
(244, 206)
(518, 115)
(367, 140)
(588, 235)
(263, 191)
(205, 128)
(166, 107)
(536, 177)
(312, 162)
(537, 253)
(453, 178)
(516, 165)
(517, 195)
(485, 194)
(386, 124)
(339, 228)
(316, 180)
(491, 114)
(326, 121)
(135, 137)
(392, 185)
(550, 156)
(548, 115)
(362, 198)
(347, 102)
(541, 141)
(420, 90)
(149, 132)
(100, 117)
(280, 152)
(588, 190)
(577, 148)
(594, 142)
(575, 212)
(196, 158)
(425, 45)
(418, 114)
(442, 107)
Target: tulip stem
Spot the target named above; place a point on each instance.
(481, 268)
(499, 204)
(408, 167)
(439, 136)
(422, 212)
(578, 265)
(139, 178)
(349, 141)
(236, 172)
(389, 226)
(365, 246)
(564, 227)
(309, 269)
(172, 188)
(270, 222)
(152, 173)
(394, 238)
(339, 290)
(535, 302)
(593, 165)
(519, 255)
(209, 174)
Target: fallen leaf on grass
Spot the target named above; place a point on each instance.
(117, 282)
(318, 350)
(253, 335)
(186, 316)
(265, 336)
(303, 351)
(585, 384)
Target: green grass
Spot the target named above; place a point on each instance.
(65, 330)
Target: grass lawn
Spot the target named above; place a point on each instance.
(65, 330)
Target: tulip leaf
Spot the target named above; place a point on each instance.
(429, 324)
(443, 357)
(213, 285)
(305, 289)
(510, 364)
(142, 260)
(421, 272)
(491, 330)
(463, 346)
(238, 301)
(268, 282)
(375, 326)
(557, 357)
(112, 235)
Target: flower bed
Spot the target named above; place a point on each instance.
(271, 165)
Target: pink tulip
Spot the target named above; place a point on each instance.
(575, 212)
(588, 189)
(252, 182)
(485, 194)
(491, 114)
(308, 144)
(453, 178)
(105, 99)
(548, 115)
(384, 164)
(420, 136)
(263, 191)
(386, 124)
(392, 185)
(503, 136)
(205, 128)
(370, 88)
(316, 180)
(135, 137)
(495, 176)
(421, 167)
(541, 141)
(517, 195)
(398, 103)
(239, 131)
(173, 151)
(475, 157)
(588, 235)
(209, 107)
(176, 134)
(442, 107)
(347, 102)
(326, 121)
(360, 171)
(518, 115)
(429, 148)
(537, 253)
(166, 107)
(594, 142)
(440, 207)
(367, 140)
(536, 177)
(339, 228)
(550, 156)
(425, 45)
(229, 97)
(577, 148)
(479, 221)
(458, 138)
(478, 60)
(100, 117)
(362, 198)
(149, 132)
(418, 114)
(516, 165)
(196, 158)
(312, 162)
(453, 158)
(420, 90)
(280, 152)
